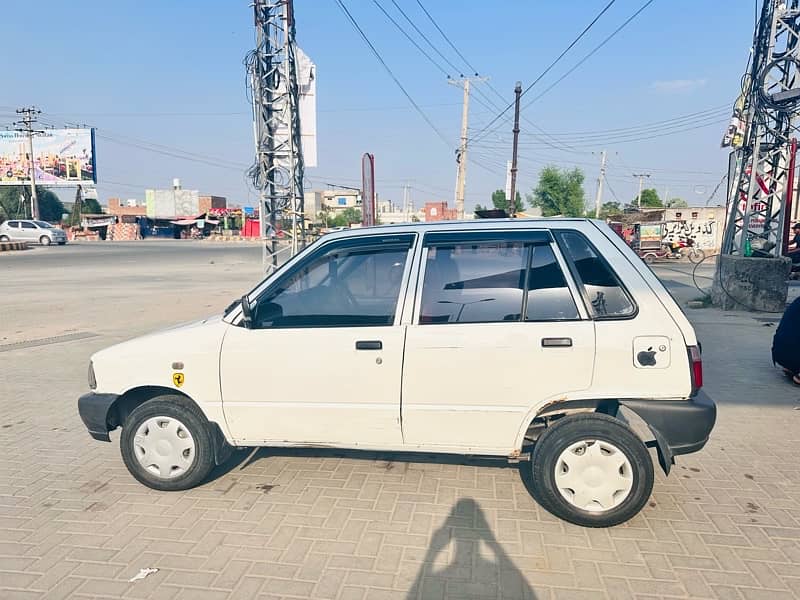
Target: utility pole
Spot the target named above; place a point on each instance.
(279, 168)
(461, 153)
(511, 203)
(641, 177)
(26, 124)
(406, 202)
(598, 200)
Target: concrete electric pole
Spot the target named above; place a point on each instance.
(461, 153)
(26, 125)
(598, 200)
(511, 203)
(641, 177)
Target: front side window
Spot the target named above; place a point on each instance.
(604, 291)
(351, 287)
(27, 225)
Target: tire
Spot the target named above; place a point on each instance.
(697, 256)
(649, 259)
(4, 238)
(188, 455)
(586, 440)
(45, 241)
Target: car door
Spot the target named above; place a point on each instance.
(12, 231)
(28, 231)
(322, 362)
(497, 330)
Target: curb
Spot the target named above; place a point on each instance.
(7, 246)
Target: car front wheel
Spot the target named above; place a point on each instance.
(592, 470)
(166, 444)
(44, 240)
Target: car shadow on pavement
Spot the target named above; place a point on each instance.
(465, 561)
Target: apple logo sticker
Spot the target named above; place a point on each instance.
(647, 358)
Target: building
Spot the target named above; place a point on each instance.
(439, 211)
(337, 200)
(131, 207)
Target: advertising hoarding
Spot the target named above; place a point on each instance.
(61, 157)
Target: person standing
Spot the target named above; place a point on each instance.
(786, 342)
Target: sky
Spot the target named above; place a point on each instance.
(164, 84)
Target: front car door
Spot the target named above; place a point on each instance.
(498, 329)
(322, 362)
(28, 231)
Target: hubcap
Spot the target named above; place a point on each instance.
(164, 447)
(594, 475)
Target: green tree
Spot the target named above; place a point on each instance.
(650, 199)
(345, 218)
(88, 206)
(11, 206)
(500, 201)
(559, 192)
(610, 208)
(479, 207)
(677, 203)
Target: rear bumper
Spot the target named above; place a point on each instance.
(93, 409)
(679, 426)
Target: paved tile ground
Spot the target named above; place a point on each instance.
(340, 525)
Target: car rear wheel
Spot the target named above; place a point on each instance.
(45, 241)
(166, 444)
(592, 470)
(4, 238)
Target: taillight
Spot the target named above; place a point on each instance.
(696, 360)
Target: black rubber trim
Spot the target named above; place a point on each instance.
(529, 236)
(679, 426)
(93, 409)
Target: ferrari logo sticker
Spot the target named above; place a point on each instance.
(178, 379)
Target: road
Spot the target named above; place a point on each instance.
(345, 525)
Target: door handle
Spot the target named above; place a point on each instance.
(369, 345)
(557, 342)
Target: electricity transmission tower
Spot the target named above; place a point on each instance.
(26, 125)
(762, 169)
(278, 171)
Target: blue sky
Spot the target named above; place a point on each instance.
(170, 73)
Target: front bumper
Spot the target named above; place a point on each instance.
(93, 409)
(679, 426)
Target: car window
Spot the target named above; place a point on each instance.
(549, 298)
(605, 292)
(474, 283)
(44, 225)
(342, 288)
(27, 225)
(14, 224)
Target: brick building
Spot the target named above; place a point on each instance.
(439, 211)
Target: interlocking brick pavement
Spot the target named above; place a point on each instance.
(346, 525)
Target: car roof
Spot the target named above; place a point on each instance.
(463, 225)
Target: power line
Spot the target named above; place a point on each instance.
(426, 38)
(410, 39)
(447, 39)
(391, 74)
(593, 52)
(553, 64)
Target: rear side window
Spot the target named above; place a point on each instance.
(490, 282)
(603, 289)
(27, 225)
(14, 224)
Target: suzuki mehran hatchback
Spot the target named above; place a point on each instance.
(525, 339)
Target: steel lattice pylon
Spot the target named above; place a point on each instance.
(278, 171)
(761, 178)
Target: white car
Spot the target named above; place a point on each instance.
(31, 230)
(511, 338)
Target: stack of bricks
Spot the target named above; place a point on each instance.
(124, 232)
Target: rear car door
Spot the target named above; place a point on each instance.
(497, 329)
(28, 231)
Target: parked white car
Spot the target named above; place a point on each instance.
(31, 230)
(512, 338)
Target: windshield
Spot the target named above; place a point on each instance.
(43, 225)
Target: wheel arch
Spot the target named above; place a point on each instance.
(135, 397)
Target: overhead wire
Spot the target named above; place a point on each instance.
(394, 78)
(554, 63)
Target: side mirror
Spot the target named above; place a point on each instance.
(247, 312)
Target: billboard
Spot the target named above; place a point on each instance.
(61, 157)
